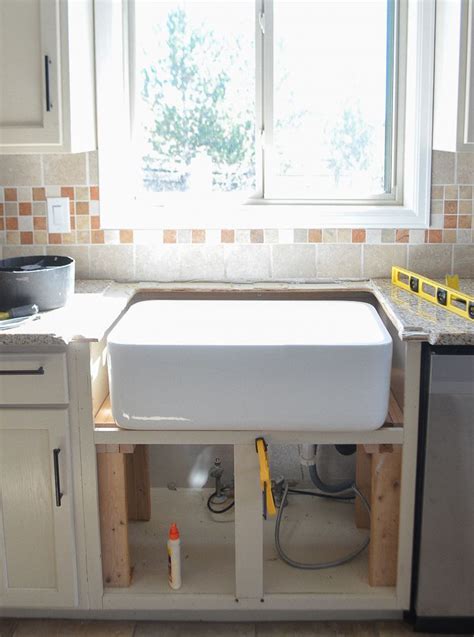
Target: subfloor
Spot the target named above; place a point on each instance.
(69, 628)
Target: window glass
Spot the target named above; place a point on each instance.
(331, 65)
(194, 96)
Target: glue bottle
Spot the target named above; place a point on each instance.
(174, 558)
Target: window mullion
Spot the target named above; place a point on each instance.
(267, 128)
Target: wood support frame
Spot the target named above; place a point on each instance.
(124, 494)
(378, 477)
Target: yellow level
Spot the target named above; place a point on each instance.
(441, 295)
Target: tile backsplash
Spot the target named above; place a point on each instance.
(227, 254)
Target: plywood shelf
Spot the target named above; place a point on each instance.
(106, 432)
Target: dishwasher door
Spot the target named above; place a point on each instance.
(443, 595)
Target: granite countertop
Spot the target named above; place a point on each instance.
(96, 305)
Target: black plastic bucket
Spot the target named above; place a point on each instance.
(46, 281)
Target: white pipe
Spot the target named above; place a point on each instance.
(307, 455)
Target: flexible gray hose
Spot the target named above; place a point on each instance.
(321, 565)
(323, 486)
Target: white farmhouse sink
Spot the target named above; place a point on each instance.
(266, 365)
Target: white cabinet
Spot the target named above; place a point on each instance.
(47, 95)
(37, 552)
(453, 118)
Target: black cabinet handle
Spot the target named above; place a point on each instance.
(57, 480)
(22, 372)
(47, 62)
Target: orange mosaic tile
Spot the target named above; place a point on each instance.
(2, 210)
(97, 236)
(82, 207)
(227, 236)
(401, 236)
(72, 207)
(26, 238)
(450, 207)
(25, 208)
(315, 235)
(39, 194)
(67, 191)
(198, 236)
(54, 238)
(434, 236)
(95, 222)
(169, 236)
(450, 221)
(358, 236)
(256, 236)
(11, 223)
(11, 194)
(39, 223)
(2, 223)
(126, 236)
(94, 193)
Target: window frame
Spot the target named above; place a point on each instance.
(413, 85)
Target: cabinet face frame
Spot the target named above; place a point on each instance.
(48, 131)
(54, 423)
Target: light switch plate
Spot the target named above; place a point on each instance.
(58, 214)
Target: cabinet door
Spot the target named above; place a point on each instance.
(29, 73)
(37, 560)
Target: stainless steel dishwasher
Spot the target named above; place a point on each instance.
(443, 564)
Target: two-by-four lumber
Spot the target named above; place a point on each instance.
(138, 484)
(116, 566)
(363, 482)
(385, 515)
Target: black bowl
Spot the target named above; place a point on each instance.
(46, 281)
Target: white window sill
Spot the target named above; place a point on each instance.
(205, 216)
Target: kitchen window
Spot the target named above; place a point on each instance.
(253, 113)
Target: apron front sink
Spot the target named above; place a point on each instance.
(250, 365)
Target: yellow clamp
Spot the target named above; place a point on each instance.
(265, 481)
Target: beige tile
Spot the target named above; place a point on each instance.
(111, 262)
(300, 235)
(201, 263)
(335, 261)
(379, 259)
(388, 235)
(22, 251)
(93, 168)
(80, 254)
(293, 261)
(194, 629)
(465, 168)
(70, 628)
(344, 235)
(158, 262)
(20, 170)
(247, 262)
(329, 235)
(430, 260)
(442, 169)
(270, 235)
(69, 170)
(464, 260)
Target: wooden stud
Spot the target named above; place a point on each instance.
(385, 513)
(138, 484)
(116, 567)
(363, 482)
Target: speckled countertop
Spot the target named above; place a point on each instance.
(96, 305)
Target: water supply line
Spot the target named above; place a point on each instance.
(329, 491)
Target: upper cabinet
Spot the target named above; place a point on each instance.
(47, 94)
(453, 122)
